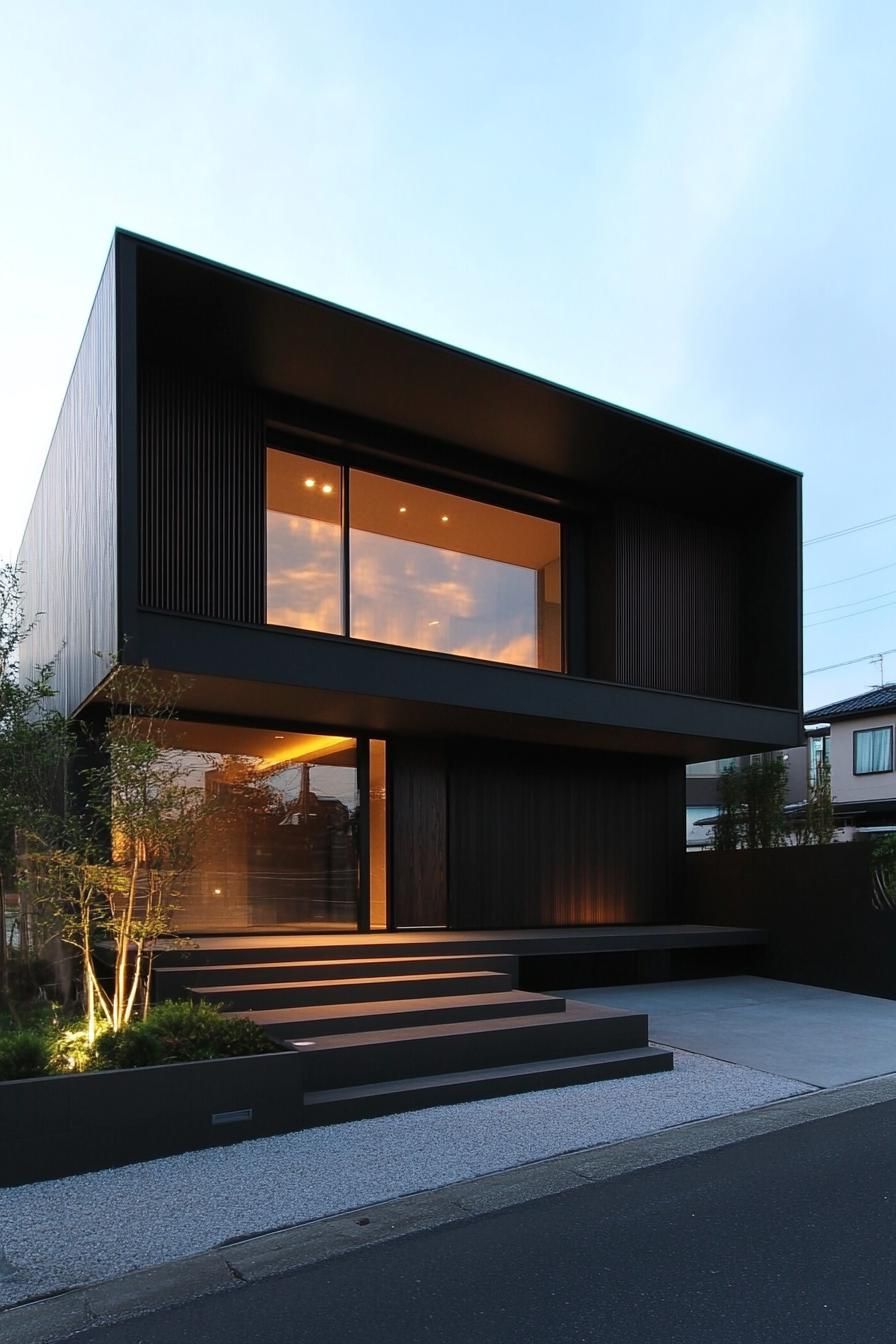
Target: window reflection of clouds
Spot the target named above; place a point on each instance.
(304, 587)
(483, 608)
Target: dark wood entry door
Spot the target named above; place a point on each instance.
(418, 808)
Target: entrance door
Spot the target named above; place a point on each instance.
(419, 834)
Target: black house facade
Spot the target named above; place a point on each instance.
(447, 633)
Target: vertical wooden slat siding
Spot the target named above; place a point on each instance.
(539, 837)
(68, 552)
(201, 497)
(418, 821)
(677, 603)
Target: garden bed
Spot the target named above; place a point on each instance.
(66, 1124)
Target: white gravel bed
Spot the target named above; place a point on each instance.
(60, 1233)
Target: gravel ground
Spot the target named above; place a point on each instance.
(60, 1233)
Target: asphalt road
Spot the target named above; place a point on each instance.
(787, 1237)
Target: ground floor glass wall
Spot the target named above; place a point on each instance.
(278, 840)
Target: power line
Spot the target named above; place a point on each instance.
(849, 577)
(854, 603)
(849, 615)
(845, 531)
(850, 662)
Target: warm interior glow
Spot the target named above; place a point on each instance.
(473, 580)
(279, 846)
(378, 833)
(429, 570)
(304, 546)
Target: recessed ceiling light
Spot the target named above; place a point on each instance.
(327, 489)
(310, 482)
(444, 517)
(278, 737)
(433, 622)
(402, 509)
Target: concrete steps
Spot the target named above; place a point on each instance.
(336, 1105)
(380, 1055)
(385, 1028)
(324, 1020)
(173, 981)
(359, 989)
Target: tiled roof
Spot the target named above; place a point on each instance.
(872, 702)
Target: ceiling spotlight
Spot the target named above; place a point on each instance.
(444, 517)
(278, 737)
(402, 509)
(432, 622)
(327, 489)
(310, 482)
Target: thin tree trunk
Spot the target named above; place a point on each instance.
(135, 982)
(123, 948)
(5, 996)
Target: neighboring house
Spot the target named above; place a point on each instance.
(856, 737)
(450, 632)
(702, 791)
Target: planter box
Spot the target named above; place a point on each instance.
(63, 1125)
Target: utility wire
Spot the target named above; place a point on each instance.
(873, 597)
(845, 531)
(849, 577)
(850, 662)
(849, 615)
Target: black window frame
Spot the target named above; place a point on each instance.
(881, 728)
(346, 458)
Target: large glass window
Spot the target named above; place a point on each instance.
(818, 756)
(435, 571)
(427, 570)
(872, 751)
(304, 541)
(279, 839)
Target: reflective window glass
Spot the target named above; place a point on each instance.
(304, 543)
(434, 571)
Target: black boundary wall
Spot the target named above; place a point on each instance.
(816, 903)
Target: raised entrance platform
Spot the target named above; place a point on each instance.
(399, 1021)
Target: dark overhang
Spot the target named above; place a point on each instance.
(206, 316)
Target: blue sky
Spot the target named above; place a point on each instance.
(686, 208)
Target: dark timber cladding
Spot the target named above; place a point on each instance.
(418, 794)
(202, 497)
(532, 838)
(540, 838)
(677, 603)
(68, 553)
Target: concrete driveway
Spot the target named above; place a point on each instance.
(817, 1036)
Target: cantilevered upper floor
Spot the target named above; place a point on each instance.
(323, 518)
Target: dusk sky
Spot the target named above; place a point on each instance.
(685, 208)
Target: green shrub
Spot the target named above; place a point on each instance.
(23, 1054)
(133, 1048)
(178, 1032)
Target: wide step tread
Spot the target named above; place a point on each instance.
(372, 1056)
(337, 1018)
(314, 993)
(333, 1105)
(199, 975)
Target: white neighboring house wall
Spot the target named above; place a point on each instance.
(846, 786)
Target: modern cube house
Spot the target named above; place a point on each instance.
(459, 628)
